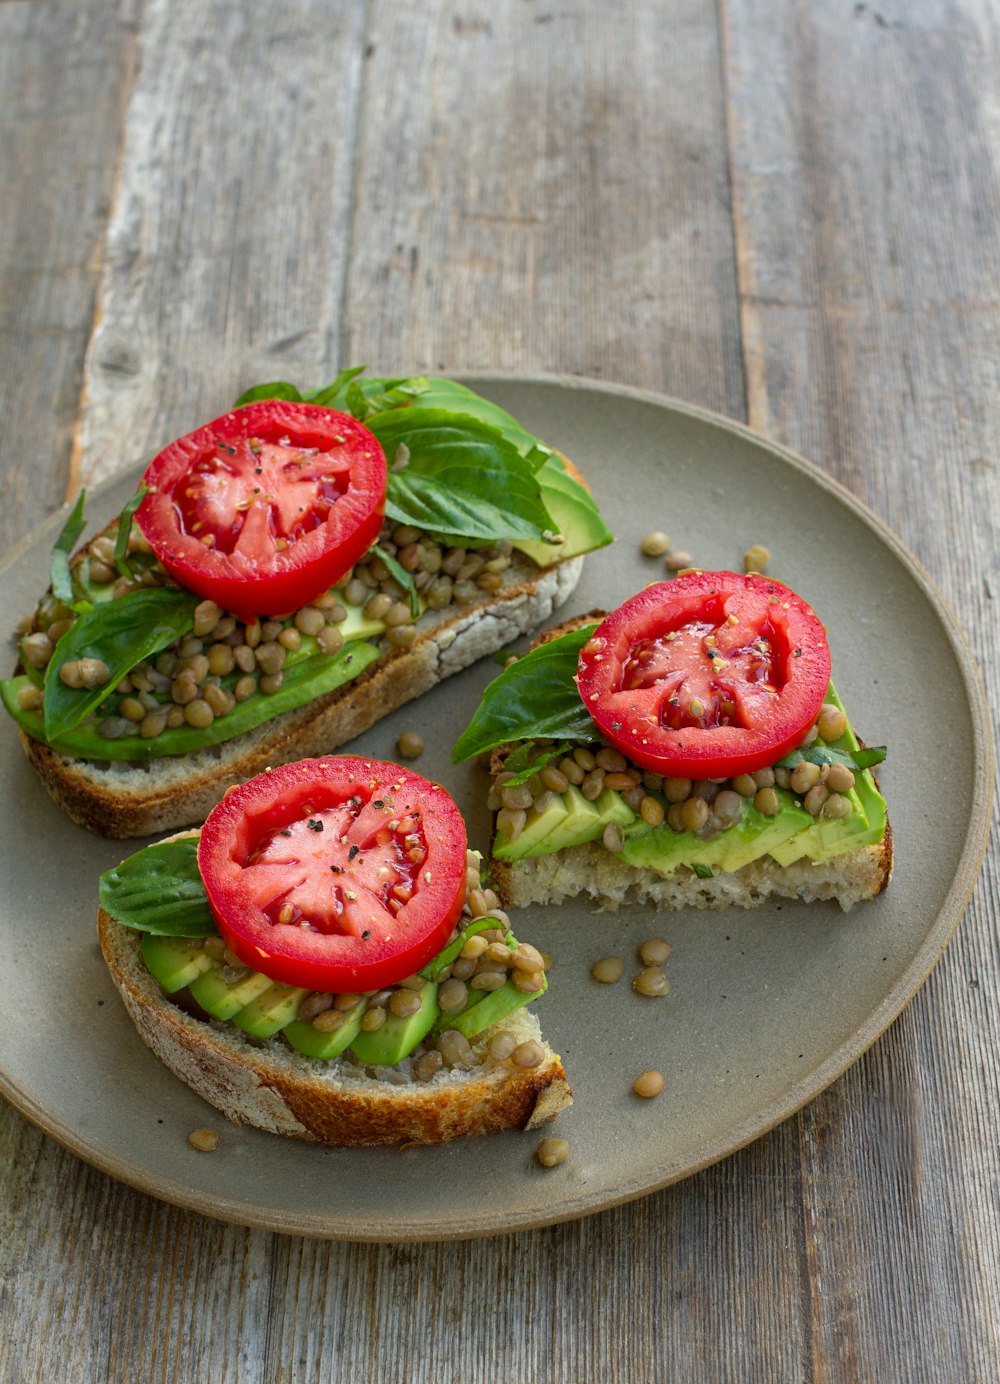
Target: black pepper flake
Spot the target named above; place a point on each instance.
(314, 824)
(286, 832)
(797, 653)
(352, 852)
(378, 803)
(366, 934)
(337, 869)
(616, 725)
(258, 470)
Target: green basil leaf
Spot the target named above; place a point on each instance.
(124, 529)
(863, 758)
(463, 479)
(444, 958)
(302, 682)
(159, 890)
(403, 577)
(334, 394)
(524, 764)
(371, 397)
(62, 583)
(454, 398)
(121, 633)
(535, 698)
(279, 389)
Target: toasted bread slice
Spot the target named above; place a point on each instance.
(122, 799)
(269, 1085)
(612, 883)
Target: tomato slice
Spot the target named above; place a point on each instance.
(338, 874)
(710, 675)
(265, 508)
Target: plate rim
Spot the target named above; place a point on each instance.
(782, 1107)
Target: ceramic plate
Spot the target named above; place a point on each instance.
(765, 1008)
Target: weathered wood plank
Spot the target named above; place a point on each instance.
(226, 253)
(866, 177)
(65, 72)
(549, 190)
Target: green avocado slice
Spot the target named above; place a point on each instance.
(398, 1036)
(495, 1005)
(313, 1042)
(272, 1010)
(225, 998)
(174, 962)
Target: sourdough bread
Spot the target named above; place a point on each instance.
(612, 883)
(269, 1085)
(121, 799)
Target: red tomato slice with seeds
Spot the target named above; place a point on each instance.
(710, 675)
(264, 509)
(340, 874)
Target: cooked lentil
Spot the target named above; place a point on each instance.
(608, 970)
(756, 558)
(648, 1084)
(651, 982)
(654, 544)
(654, 951)
(551, 1152)
(528, 1055)
(410, 745)
(204, 1140)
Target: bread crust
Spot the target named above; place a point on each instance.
(613, 883)
(122, 799)
(276, 1089)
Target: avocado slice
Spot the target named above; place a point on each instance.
(569, 820)
(490, 1009)
(357, 625)
(273, 1009)
(225, 998)
(174, 961)
(397, 1037)
(313, 1042)
(444, 958)
(574, 513)
(664, 850)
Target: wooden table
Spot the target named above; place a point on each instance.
(787, 212)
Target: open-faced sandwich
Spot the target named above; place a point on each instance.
(687, 750)
(321, 960)
(284, 577)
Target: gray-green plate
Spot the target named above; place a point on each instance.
(765, 1008)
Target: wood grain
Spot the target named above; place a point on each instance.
(788, 212)
(66, 73)
(866, 200)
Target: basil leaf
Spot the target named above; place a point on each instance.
(124, 529)
(523, 764)
(463, 479)
(280, 389)
(302, 682)
(825, 754)
(121, 633)
(535, 698)
(456, 398)
(403, 577)
(62, 583)
(159, 890)
(444, 958)
(702, 870)
(371, 397)
(334, 395)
